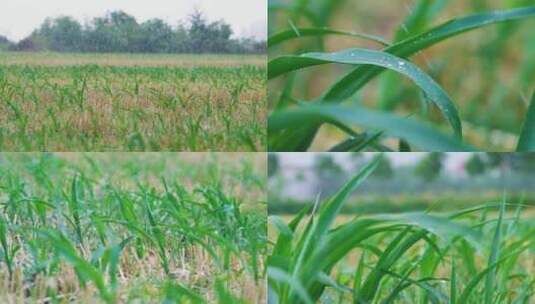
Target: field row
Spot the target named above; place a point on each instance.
(97, 108)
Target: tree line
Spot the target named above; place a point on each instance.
(428, 168)
(119, 32)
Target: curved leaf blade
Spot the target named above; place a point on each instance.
(415, 132)
(526, 141)
(287, 35)
(433, 91)
(301, 138)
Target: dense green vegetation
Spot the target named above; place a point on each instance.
(119, 32)
(83, 102)
(481, 254)
(334, 88)
(166, 228)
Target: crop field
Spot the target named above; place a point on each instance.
(412, 75)
(132, 228)
(478, 254)
(89, 102)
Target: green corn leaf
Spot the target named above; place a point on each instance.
(418, 134)
(307, 32)
(526, 142)
(441, 227)
(279, 275)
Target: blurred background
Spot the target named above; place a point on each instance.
(488, 72)
(402, 181)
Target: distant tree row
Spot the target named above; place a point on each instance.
(120, 32)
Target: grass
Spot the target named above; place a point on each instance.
(366, 103)
(480, 254)
(87, 102)
(148, 227)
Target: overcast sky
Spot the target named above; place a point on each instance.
(18, 18)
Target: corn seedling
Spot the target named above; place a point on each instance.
(476, 255)
(300, 41)
(132, 103)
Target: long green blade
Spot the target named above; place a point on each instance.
(413, 131)
(349, 84)
(333, 207)
(526, 142)
(301, 138)
(280, 275)
(494, 253)
(432, 90)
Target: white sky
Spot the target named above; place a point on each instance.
(18, 18)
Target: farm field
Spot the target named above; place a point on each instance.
(132, 102)
(410, 75)
(132, 228)
(480, 253)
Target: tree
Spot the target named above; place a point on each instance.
(180, 41)
(3, 39)
(125, 29)
(100, 36)
(31, 43)
(384, 169)
(430, 167)
(475, 165)
(325, 165)
(219, 34)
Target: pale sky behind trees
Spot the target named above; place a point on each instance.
(18, 18)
